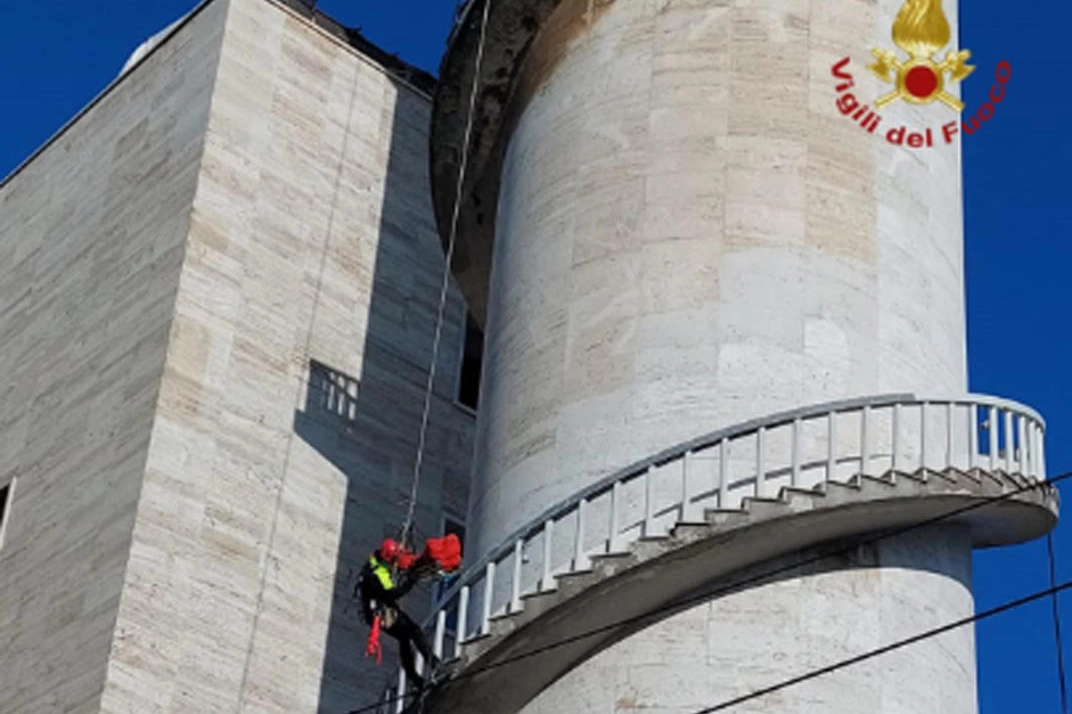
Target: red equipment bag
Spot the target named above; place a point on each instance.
(374, 649)
(445, 551)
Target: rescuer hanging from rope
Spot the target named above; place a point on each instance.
(379, 594)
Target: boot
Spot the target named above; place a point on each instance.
(416, 682)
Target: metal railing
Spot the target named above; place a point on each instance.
(802, 448)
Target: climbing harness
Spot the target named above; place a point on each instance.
(408, 523)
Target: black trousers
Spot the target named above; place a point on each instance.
(410, 637)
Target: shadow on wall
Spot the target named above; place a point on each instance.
(367, 425)
(335, 423)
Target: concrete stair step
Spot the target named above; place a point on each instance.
(725, 517)
(572, 583)
(1018, 480)
(603, 559)
(921, 476)
(878, 487)
(650, 546)
(689, 532)
(788, 493)
(882, 481)
(932, 476)
(833, 487)
(974, 475)
(762, 508)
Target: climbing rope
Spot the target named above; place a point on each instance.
(408, 523)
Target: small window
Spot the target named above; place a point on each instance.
(472, 356)
(5, 506)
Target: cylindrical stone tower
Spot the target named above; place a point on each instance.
(668, 226)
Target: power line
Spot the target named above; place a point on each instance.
(1048, 592)
(1057, 627)
(655, 615)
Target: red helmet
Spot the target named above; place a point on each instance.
(390, 550)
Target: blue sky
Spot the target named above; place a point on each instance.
(55, 55)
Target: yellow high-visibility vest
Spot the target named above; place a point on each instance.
(382, 572)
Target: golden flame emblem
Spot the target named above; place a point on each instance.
(920, 29)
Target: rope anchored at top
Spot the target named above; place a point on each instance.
(408, 524)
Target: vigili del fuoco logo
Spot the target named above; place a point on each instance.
(921, 30)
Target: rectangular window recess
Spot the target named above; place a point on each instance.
(6, 493)
(471, 364)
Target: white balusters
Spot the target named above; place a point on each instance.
(973, 436)
(761, 473)
(923, 435)
(1021, 439)
(831, 447)
(949, 408)
(519, 559)
(615, 516)
(463, 620)
(440, 631)
(649, 501)
(1034, 451)
(1009, 441)
(992, 433)
(865, 439)
(896, 441)
(685, 464)
(547, 582)
(723, 473)
(1041, 452)
(794, 479)
(400, 700)
(489, 591)
(580, 560)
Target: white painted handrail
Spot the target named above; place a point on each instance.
(802, 448)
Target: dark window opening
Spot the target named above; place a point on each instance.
(472, 357)
(5, 493)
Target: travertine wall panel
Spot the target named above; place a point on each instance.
(806, 619)
(312, 251)
(92, 235)
(689, 234)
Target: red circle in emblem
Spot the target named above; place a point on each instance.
(921, 82)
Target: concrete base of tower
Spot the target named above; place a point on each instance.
(810, 618)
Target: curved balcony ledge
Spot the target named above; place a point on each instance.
(655, 574)
(729, 500)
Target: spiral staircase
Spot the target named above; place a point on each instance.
(715, 514)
